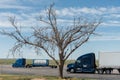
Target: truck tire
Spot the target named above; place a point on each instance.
(100, 71)
(72, 71)
(53, 66)
(28, 66)
(119, 71)
(108, 71)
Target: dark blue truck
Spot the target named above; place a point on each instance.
(84, 63)
(21, 62)
(108, 61)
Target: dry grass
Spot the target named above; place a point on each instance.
(38, 79)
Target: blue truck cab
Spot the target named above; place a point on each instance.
(19, 63)
(83, 64)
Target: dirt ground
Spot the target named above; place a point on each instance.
(38, 79)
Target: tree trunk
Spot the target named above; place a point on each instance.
(61, 70)
(61, 66)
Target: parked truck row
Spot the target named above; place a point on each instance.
(21, 62)
(107, 62)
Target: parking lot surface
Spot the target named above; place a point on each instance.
(47, 71)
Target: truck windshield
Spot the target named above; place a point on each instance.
(78, 61)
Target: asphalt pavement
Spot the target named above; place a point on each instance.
(47, 71)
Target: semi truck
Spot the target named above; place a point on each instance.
(107, 62)
(21, 62)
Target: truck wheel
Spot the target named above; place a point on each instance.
(55, 67)
(28, 66)
(108, 71)
(72, 70)
(100, 71)
(119, 71)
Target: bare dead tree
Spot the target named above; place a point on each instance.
(54, 39)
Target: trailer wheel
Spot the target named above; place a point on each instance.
(108, 71)
(100, 71)
(119, 71)
(28, 66)
(53, 66)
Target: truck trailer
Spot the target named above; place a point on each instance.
(107, 62)
(21, 62)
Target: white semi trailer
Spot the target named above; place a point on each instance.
(108, 61)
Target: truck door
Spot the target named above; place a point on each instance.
(78, 65)
(88, 63)
(82, 64)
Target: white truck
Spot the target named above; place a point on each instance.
(107, 62)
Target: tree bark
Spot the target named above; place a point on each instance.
(61, 70)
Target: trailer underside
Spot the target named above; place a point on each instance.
(106, 70)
